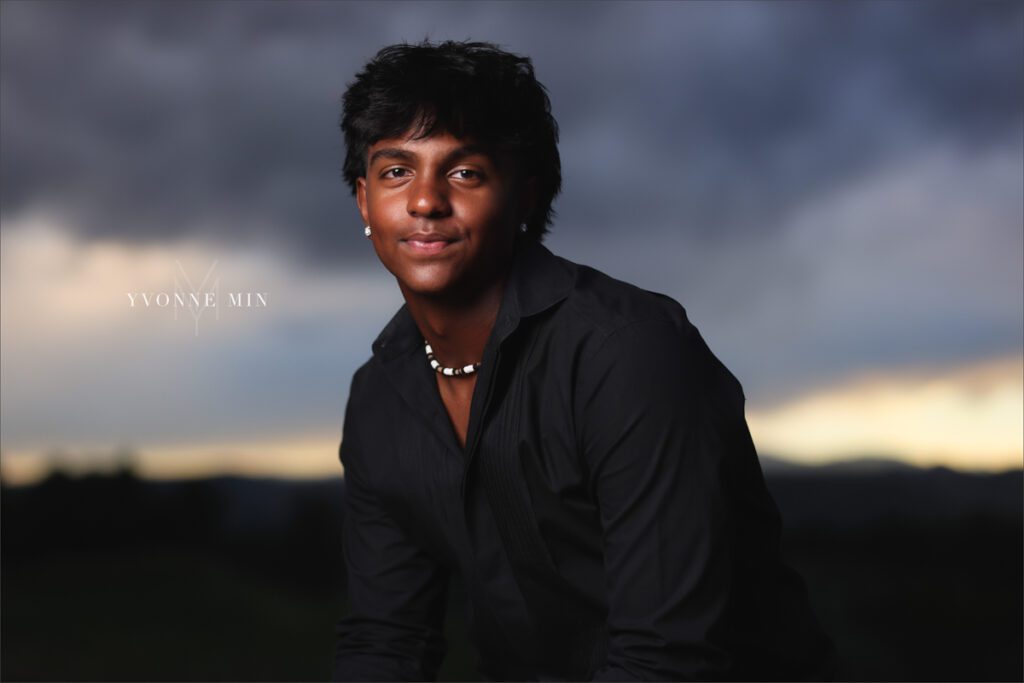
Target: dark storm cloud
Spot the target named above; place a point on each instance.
(146, 121)
(747, 116)
(830, 189)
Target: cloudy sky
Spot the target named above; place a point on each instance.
(833, 191)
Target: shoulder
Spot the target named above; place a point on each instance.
(360, 381)
(613, 311)
(366, 382)
(643, 337)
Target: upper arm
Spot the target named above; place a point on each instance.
(397, 591)
(655, 410)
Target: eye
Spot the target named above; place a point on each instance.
(468, 174)
(396, 172)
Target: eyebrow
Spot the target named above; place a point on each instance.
(405, 155)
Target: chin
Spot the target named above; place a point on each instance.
(427, 285)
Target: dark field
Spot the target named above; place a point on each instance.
(916, 574)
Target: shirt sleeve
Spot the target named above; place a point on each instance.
(397, 592)
(657, 412)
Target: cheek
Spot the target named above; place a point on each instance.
(383, 209)
(492, 210)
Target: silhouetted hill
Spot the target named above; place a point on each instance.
(773, 466)
(916, 573)
(253, 505)
(876, 491)
(850, 493)
(853, 493)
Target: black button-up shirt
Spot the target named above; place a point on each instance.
(608, 514)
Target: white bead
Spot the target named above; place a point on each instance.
(447, 372)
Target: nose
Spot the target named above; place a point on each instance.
(428, 198)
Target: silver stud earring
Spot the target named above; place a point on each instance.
(366, 231)
(522, 227)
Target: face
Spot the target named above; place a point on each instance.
(444, 213)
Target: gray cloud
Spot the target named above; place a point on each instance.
(143, 121)
(756, 161)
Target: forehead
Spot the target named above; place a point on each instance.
(442, 145)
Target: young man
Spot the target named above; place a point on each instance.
(563, 440)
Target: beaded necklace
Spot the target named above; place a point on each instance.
(448, 372)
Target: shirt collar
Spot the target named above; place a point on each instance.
(537, 280)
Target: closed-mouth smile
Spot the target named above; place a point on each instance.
(428, 244)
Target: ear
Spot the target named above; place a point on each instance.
(361, 200)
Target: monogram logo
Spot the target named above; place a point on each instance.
(196, 299)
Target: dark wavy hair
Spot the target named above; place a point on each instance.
(468, 89)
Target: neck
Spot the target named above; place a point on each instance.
(459, 326)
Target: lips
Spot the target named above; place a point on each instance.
(428, 243)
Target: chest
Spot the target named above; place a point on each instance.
(457, 398)
(524, 468)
